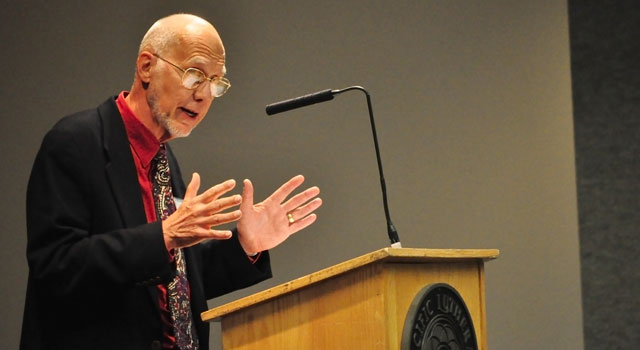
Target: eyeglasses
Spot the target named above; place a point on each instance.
(193, 77)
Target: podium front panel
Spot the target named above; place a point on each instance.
(364, 308)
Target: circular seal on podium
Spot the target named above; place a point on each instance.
(438, 319)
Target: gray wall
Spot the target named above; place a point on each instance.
(474, 115)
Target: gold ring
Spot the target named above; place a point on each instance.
(291, 219)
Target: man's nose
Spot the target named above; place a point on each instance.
(203, 91)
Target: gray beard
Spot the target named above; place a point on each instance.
(163, 119)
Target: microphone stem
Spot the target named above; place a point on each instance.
(391, 230)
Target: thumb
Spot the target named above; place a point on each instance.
(194, 185)
(247, 193)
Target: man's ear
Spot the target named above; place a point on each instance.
(143, 67)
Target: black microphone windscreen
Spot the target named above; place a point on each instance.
(298, 102)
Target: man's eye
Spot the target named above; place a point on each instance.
(192, 79)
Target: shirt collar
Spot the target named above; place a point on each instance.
(143, 143)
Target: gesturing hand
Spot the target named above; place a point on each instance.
(192, 223)
(265, 225)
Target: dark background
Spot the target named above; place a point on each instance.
(474, 111)
(605, 53)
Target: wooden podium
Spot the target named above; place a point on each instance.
(358, 304)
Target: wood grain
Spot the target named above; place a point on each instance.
(361, 303)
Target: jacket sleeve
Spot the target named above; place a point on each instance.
(67, 251)
(227, 267)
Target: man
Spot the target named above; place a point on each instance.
(112, 263)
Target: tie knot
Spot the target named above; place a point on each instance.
(162, 153)
(161, 162)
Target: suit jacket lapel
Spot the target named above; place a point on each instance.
(120, 167)
(177, 184)
(122, 175)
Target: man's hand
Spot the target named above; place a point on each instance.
(193, 222)
(266, 224)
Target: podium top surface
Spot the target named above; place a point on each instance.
(396, 255)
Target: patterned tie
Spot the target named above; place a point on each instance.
(178, 299)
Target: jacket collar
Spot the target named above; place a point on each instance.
(120, 167)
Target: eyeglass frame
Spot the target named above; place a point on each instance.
(215, 80)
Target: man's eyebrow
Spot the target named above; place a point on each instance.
(200, 64)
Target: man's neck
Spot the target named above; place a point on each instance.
(137, 102)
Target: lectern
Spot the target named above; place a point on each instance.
(358, 304)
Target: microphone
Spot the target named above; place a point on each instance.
(298, 102)
(326, 95)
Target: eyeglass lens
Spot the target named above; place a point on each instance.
(193, 78)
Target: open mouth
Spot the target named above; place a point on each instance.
(189, 112)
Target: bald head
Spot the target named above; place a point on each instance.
(170, 32)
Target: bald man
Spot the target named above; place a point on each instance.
(123, 255)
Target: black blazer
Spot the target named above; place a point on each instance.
(93, 259)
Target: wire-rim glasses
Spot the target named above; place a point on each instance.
(192, 78)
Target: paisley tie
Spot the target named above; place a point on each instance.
(177, 290)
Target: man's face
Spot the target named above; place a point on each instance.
(175, 108)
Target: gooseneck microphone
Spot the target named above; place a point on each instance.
(327, 95)
(301, 101)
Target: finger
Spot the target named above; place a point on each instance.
(221, 204)
(302, 223)
(200, 236)
(218, 219)
(220, 234)
(300, 198)
(285, 190)
(194, 185)
(216, 191)
(247, 194)
(306, 209)
(198, 209)
(197, 235)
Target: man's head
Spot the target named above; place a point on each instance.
(159, 97)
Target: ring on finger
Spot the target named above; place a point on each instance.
(291, 219)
